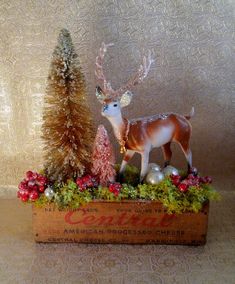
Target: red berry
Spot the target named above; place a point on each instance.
(35, 175)
(191, 176)
(207, 179)
(35, 187)
(23, 192)
(41, 180)
(183, 187)
(172, 176)
(175, 179)
(24, 198)
(23, 185)
(33, 195)
(115, 188)
(80, 184)
(87, 180)
(41, 188)
(192, 181)
(176, 182)
(29, 175)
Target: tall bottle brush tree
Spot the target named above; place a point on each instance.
(67, 124)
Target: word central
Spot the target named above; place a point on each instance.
(83, 217)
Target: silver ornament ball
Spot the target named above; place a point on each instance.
(169, 170)
(153, 167)
(49, 193)
(154, 177)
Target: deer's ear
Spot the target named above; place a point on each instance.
(126, 99)
(99, 94)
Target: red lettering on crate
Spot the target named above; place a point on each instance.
(81, 216)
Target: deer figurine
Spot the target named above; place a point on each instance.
(141, 135)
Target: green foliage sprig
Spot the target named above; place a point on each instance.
(69, 195)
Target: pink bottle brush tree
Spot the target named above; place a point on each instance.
(103, 158)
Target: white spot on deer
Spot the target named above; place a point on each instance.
(162, 136)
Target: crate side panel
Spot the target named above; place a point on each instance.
(120, 222)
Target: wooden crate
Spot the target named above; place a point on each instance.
(131, 222)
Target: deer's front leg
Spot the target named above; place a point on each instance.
(144, 164)
(128, 155)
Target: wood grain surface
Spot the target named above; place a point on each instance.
(131, 222)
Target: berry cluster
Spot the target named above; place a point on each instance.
(32, 186)
(191, 180)
(115, 188)
(86, 181)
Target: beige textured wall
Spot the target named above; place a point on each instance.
(192, 42)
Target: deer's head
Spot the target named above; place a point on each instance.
(114, 100)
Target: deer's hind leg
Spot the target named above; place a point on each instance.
(187, 152)
(167, 153)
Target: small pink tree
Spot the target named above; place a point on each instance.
(103, 158)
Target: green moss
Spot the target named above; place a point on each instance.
(68, 195)
(130, 175)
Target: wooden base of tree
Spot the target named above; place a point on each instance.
(130, 222)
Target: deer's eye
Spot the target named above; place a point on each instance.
(115, 105)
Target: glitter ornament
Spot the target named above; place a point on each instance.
(169, 170)
(154, 177)
(153, 167)
(103, 159)
(49, 193)
(67, 125)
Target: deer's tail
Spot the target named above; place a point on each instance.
(191, 114)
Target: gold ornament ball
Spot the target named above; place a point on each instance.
(154, 167)
(154, 177)
(169, 170)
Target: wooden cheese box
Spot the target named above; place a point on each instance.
(126, 222)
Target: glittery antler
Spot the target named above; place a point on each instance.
(99, 72)
(133, 81)
(139, 76)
